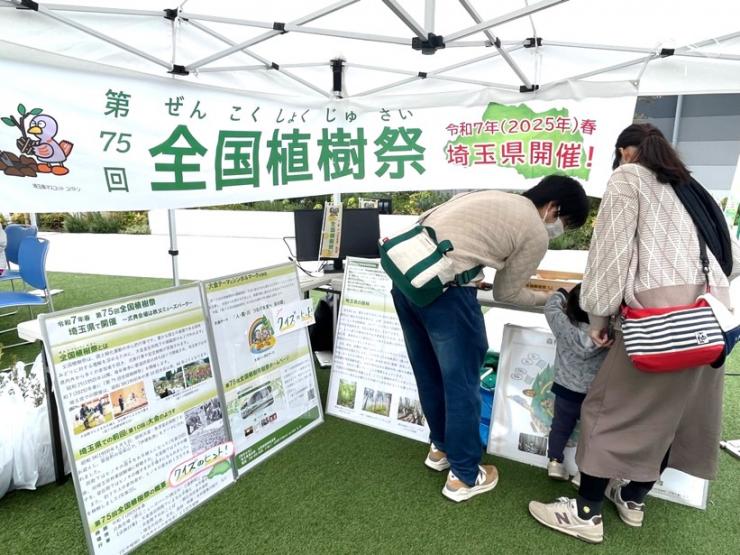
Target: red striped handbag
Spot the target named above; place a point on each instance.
(674, 338)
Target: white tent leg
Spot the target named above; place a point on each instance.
(173, 247)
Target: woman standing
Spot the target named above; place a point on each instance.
(645, 252)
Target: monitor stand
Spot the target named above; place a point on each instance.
(334, 266)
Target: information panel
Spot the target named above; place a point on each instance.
(258, 321)
(371, 380)
(141, 415)
(523, 408)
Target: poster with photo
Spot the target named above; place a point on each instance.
(141, 413)
(258, 321)
(372, 381)
(523, 407)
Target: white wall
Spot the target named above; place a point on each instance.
(247, 223)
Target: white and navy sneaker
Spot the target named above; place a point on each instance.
(562, 515)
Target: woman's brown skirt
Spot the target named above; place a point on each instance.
(630, 418)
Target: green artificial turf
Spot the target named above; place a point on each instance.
(347, 488)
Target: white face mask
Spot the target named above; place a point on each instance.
(555, 229)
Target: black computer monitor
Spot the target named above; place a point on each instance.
(360, 234)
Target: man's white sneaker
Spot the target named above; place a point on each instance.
(631, 512)
(562, 515)
(436, 459)
(556, 470)
(457, 490)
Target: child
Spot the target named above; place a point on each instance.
(577, 360)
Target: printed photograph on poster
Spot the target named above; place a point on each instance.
(92, 413)
(204, 424)
(377, 402)
(260, 407)
(347, 394)
(128, 399)
(197, 371)
(409, 410)
(172, 382)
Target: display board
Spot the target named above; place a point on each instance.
(523, 409)
(258, 320)
(372, 381)
(142, 417)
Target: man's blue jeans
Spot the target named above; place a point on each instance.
(446, 342)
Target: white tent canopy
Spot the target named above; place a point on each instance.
(285, 47)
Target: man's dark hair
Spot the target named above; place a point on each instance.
(566, 193)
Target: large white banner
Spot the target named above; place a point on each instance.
(523, 408)
(142, 417)
(372, 382)
(264, 360)
(77, 141)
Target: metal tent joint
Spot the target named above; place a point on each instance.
(422, 75)
(526, 89)
(666, 52)
(279, 26)
(171, 13)
(429, 45)
(531, 42)
(178, 69)
(29, 5)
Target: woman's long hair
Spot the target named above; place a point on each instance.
(654, 152)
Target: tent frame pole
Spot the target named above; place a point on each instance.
(101, 10)
(511, 16)
(623, 65)
(266, 63)
(496, 42)
(265, 36)
(404, 16)
(429, 7)
(106, 38)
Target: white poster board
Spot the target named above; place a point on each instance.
(523, 407)
(264, 359)
(372, 382)
(140, 411)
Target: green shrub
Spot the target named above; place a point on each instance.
(76, 223)
(103, 224)
(578, 239)
(137, 229)
(51, 221)
(20, 218)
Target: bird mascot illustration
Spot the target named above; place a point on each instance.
(50, 152)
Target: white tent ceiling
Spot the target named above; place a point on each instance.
(586, 44)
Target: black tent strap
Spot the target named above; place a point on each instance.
(279, 26)
(171, 13)
(531, 42)
(173, 253)
(665, 52)
(525, 88)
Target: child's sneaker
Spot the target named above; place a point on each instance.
(556, 470)
(457, 490)
(631, 512)
(436, 459)
(562, 515)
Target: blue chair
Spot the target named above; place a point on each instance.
(32, 263)
(15, 234)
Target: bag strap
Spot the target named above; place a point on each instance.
(464, 277)
(704, 260)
